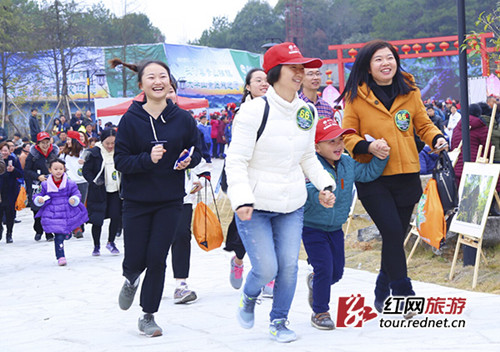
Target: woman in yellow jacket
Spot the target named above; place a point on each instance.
(384, 105)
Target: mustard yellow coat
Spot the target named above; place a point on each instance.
(368, 116)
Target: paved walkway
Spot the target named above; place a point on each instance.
(44, 307)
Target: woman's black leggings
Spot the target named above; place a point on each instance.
(148, 232)
(392, 221)
(114, 224)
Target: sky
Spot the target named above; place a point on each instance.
(180, 21)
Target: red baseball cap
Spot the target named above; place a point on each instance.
(41, 136)
(76, 136)
(328, 129)
(287, 54)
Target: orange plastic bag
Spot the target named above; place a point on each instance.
(431, 224)
(207, 228)
(22, 200)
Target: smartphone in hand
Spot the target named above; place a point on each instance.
(184, 157)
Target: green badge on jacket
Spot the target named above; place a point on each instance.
(305, 118)
(402, 119)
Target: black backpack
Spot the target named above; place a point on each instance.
(444, 175)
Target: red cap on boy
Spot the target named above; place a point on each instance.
(328, 129)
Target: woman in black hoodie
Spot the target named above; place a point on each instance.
(151, 136)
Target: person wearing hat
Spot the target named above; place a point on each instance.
(322, 234)
(266, 184)
(384, 106)
(73, 153)
(36, 171)
(103, 200)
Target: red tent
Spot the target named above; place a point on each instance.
(120, 109)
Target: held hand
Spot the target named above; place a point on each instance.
(81, 161)
(40, 200)
(379, 148)
(196, 187)
(441, 144)
(326, 199)
(184, 163)
(42, 178)
(157, 153)
(244, 213)
(10, 168)
(72, 201)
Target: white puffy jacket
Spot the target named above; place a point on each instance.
(270, 173)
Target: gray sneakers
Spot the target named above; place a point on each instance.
(148, 326)
(280, 332)
(246, 311)
(183, 294)
(322, 321)
(127, 294)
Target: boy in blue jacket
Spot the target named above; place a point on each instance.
(322, 235)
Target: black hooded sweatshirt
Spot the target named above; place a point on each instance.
(142, 180)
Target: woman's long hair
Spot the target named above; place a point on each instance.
(75, 149)
(359, 73)
(139, 67)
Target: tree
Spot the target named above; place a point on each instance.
(217, 35)
(15, 42)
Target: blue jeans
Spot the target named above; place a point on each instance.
(59, 244)
(325, 251)
(272, 241)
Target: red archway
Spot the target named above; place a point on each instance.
(413, 48)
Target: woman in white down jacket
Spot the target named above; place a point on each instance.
(266, 183)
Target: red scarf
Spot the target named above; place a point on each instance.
(48, 151)
(57, 183)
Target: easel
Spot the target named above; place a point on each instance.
(468, 240)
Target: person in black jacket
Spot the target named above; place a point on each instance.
(34, 125)
(9, 188)
(103, 200)
(151, 136)
(36, 170)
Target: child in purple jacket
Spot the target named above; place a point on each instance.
(61, 210)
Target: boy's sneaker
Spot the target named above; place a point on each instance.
(148, 326)
(61, 261)
(97, 251)
(127, 294)
(184, 295)
(267, 291)
(38, 237)
(310, 287)
(246, 308)
(50, 237)
(280, 332)
(236, 274)
(78, 233)
(322, 321)
(112, 248)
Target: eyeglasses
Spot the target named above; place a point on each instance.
(313, 74)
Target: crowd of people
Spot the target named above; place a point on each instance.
(289, 179)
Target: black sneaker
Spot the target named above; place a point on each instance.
(50, 237)
(127, 294)
(38, 237)
(8, 237)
